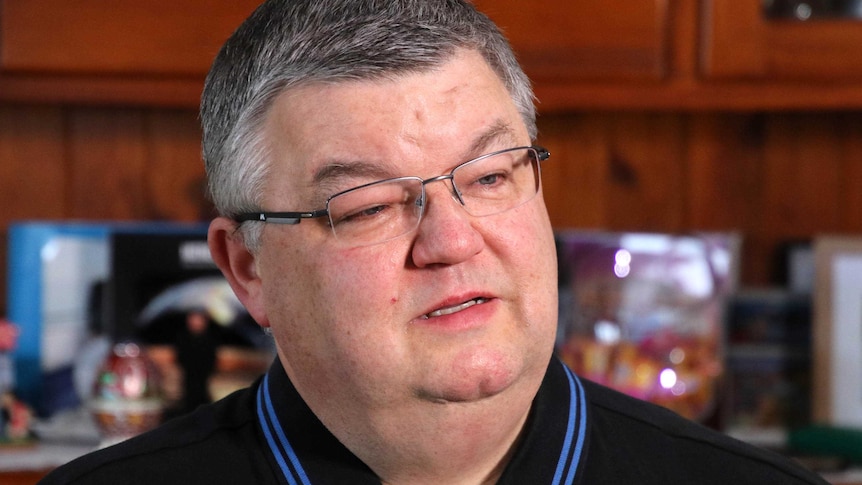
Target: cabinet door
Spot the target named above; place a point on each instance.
(561, 40)
(174, 37)
(740, 41)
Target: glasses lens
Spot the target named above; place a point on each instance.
(384, 210)
(499, 182)
(376, 212)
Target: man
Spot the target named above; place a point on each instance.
(373, 162)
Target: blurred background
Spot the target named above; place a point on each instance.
(739, 117)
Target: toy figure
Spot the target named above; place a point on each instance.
(196, 353)
(8, 341)
(15, 416)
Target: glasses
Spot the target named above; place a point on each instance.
(379, 211)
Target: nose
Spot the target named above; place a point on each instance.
(446, 233)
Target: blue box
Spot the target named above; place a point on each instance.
(56, 272)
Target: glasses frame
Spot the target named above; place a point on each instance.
(292, 218)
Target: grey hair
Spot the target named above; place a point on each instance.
(289, 43)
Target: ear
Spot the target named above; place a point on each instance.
(238, 265)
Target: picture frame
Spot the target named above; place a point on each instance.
(767, 375)
(837, 332)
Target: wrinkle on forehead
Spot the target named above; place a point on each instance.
(337, 176)
(361, 131)
(500, 131)
(499, 135)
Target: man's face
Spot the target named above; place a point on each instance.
(357, 325)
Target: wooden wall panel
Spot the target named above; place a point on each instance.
(725, 171)
(770, 177)
(176, 183)
(32, 171)
(802, 163)
(646, 190)
(136, 164)
(574, 177)
(98, 164)
(108, 152)
(724, 191)
(851, 172)
(614, 171)
(32, 164)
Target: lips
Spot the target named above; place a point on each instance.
(454, 308)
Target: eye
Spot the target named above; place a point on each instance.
(490, 179)
(359, 215)
(375, 207)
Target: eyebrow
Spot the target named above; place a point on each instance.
(338, 175)
(341, 169)
(330, 175)
(500, 130)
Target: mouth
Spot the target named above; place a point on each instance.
(454, 308)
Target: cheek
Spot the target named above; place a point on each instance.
(529, 242)
(362, 293)
(328, 298)
(367, 277)
(293, 291)
(337, 330)
(527, 246)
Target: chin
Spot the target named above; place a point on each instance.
(478, 374)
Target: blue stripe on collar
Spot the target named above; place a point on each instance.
(293, 471)
(576, 428)
(281, 450)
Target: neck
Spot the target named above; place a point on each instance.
(453, 443)
(406, 439)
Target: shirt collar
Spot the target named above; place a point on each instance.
(551, 449)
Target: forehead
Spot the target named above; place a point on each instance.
(414, 124)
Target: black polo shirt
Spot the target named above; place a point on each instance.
(577, 433)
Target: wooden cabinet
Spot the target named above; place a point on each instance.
(582, 40)
(681, 55)
(110, 37)
(155, 52)
(580, 54)
(740, 42)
